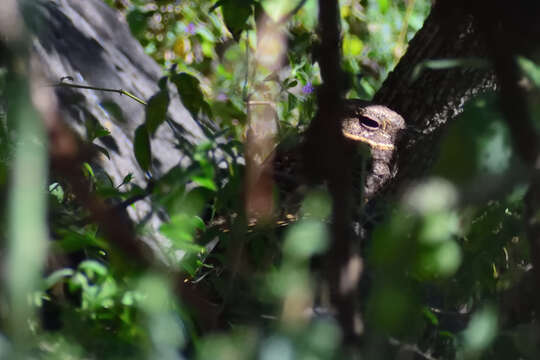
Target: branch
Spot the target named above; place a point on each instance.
(328, 158)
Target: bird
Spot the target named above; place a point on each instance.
(378, 127)
(363, 123)
(368, 125)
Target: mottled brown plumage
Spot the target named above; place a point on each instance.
(375, 125)
(362, 123)
(378, 127)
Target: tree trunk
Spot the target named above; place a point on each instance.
(429, 102)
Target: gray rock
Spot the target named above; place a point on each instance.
(90, 42)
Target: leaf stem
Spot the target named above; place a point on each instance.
(119, 91)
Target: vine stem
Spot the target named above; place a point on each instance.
(118, 91)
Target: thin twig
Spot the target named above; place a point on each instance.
(118, 91)
(403, 32)
(132, 200)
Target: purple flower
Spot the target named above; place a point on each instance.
(190, 29)
(308, 88)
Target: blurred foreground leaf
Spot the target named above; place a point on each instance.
(28, 233)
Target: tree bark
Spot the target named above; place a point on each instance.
(429, 102)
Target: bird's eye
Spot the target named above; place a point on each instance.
(369, 123)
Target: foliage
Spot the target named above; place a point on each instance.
(447, 249)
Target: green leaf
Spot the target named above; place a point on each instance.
(438, 226)
(205, 182)
(156, 110)
(56, 190)
(94, 129)
(430, 316)
(126, 180)
(216, 5)
(137, 21)
(383, 5)
(292, 101)
(481, 331)
(530, 69)
(392, 308)
(441, 64)
(236, 14)
(143, 151)
(57, 276)
(87, 168)
(102, 150)
(228, 111)
(352, 46)
(93, 267)
(181, 231)
(291, 84)
(431, 195)
(305, 239)
(71, 240)
(442, 260)
(190, 92)
(277, 9)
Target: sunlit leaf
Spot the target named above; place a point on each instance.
(438, 227)
(306, 238)
(204, 182)
(530, 69)
(352, 46)
(181, 230)
(56, 190)
(430, 316)
(277, 9)
(56, 276)
(481, 331)
(277, 348)
(441, 260)
(89, 172)
(432, 195)
(383, 5)
(92, 267)
(441, 64)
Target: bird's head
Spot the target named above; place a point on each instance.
(375, 125)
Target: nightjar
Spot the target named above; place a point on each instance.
(375, 127)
